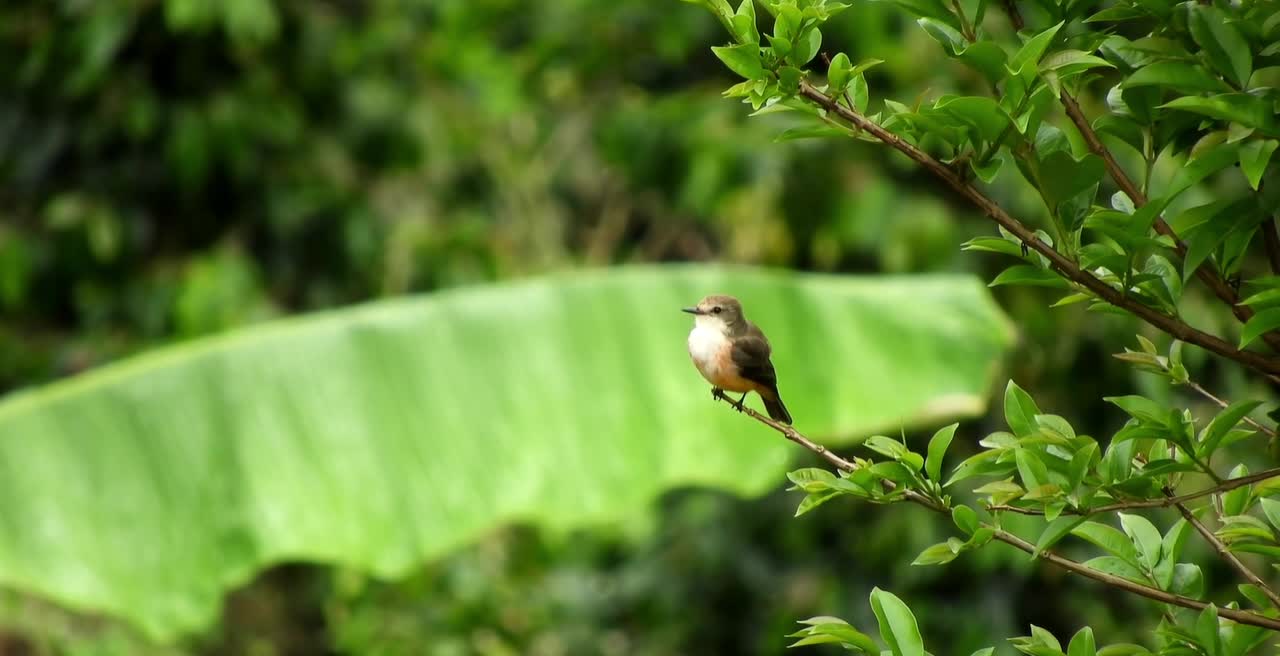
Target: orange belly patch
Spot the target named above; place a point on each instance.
(717, 366)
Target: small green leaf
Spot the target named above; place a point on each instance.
(938, 554)
(812, 132)
(965, 518)
(1254, 156)
(1271, 508)
(806, 48)
(1141, 408)
(743, 59)
(1207, 631)
(1019, 410)
(1065, 177)
(1032, 51)
(1179, 76)
(1108, 538)
(978, 112)
(839, 73)
(1082, 643)
(1116, 567)
(937, 449)
(1145, 536)
(1055, 531)
(744, 23)
(1222, 42)
(1031, 469)
(1071, 62)
(1239, 107)
(1026, 274)
(898, 626)
(1236, 501)
(1259, 324)
(1222, 424)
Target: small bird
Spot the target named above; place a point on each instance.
(732, 353)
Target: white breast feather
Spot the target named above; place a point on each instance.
(704, 346)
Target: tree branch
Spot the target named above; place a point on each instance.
(1223, 404)
(1205, 272)
(1224, 486)
(1241, 616)
(1065, 266)
(1224, 552)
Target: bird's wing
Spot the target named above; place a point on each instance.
(751, 354)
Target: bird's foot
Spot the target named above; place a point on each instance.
(742, 402)
(716, 392)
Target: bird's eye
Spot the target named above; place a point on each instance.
(716, 310)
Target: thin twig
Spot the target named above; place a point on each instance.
(1069, 269)
(1224, 486)
(1205, 272)
(1271, 242)
(1223, 551)
(1223, 404)
(1241, 616)
(1015, 16)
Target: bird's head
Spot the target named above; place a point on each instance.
(719, 312)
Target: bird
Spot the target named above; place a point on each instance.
(733, 354)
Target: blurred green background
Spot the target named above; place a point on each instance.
(176, 168)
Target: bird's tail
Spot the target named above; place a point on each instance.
(777, 411)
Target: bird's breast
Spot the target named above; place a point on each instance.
(711, 353)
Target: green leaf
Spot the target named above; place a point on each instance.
(1239, 107)
(1026, 274)
(1108, 538)
(1019, 410)
(1200, 167)
(839, 73)
(1222, 42)
(1031, 469)
(1254, 156)
(978, 112)
(938, 554)
(1140, 407)
(1179, 76)
(385, 435)
(1271, 508)
(1207, 631)
(1236, 501)
(1082, 643)
(743, 59)
(965, 518)
(1117, 567)
(1065, 177)
(1031, 52)
(806, 48)
(812, 132)
(1072, 62)
(744, 23)
(937, 450)
(1055, 531)
(1145, 536)
(1222, 424)
(1260, 324)
(897, 625)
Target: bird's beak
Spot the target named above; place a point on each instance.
(692, 310)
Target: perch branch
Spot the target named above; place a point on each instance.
(1241, 616)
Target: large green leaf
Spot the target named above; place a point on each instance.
(381, 435)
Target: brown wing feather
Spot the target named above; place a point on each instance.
(751, 354)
